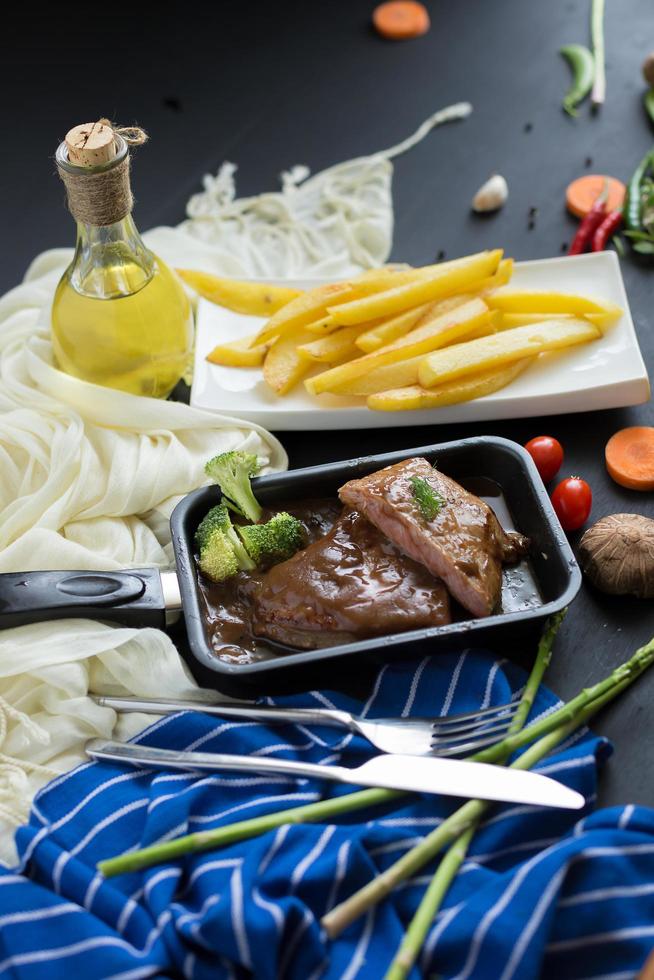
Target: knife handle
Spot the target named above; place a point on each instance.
(130, 598)
(146, 755)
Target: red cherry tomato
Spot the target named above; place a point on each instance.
(547, 454)
(572, 500)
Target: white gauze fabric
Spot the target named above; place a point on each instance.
(89, 475)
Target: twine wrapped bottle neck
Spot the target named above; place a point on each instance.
(100, 194)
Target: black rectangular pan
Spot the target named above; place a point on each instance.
(497, 469)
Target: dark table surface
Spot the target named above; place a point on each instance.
(267, 85)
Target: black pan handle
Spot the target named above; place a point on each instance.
(133, 598)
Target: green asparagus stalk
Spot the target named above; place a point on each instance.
(350, 802)
(432, 900)
(309, 813)
(342, 915)
(455, 855)
(206, 840)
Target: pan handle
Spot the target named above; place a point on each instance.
(131, 598)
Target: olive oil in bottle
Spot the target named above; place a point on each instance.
(120, 316)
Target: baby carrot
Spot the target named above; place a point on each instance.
(582, 193)
(630, 457)
(401, 19)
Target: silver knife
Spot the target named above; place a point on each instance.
(419, 774)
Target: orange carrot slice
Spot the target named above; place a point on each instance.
(630, 457)
(582, 193)
(401, 19)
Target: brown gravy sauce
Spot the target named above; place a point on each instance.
(228, 612)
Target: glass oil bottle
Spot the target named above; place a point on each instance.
(120, 316)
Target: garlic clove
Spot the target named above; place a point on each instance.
(492, 195)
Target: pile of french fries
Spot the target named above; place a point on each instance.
(412, 338)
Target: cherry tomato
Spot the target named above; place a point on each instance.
(547, 454)
(572, 500)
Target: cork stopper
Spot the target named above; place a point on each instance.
(91, 144)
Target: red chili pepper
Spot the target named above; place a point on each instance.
(590, 224)
(611, 223)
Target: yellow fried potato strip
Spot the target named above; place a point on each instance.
(451, 393)
(485, 353)
(254, 298)
(439, 284)
(283, 366)
(431, 335)
(243, 352)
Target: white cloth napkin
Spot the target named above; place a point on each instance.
(89, 475)
(88, 479)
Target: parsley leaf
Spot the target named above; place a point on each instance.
(428, 499)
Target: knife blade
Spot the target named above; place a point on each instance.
(419, 774)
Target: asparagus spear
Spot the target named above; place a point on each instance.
(463, 818)
(326, 809)
(311, 812)
(455, 855)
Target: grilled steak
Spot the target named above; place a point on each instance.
(350, 584)
(463, 544)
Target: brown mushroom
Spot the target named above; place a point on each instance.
(617, 555)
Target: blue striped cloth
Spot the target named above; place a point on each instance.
(542, 893)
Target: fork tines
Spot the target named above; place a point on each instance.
(464, 733)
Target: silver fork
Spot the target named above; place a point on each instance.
(449, 735)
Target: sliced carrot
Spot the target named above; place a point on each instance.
(630, 457)
(401, 19)
(582, 193)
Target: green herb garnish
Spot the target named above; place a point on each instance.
(428, 499)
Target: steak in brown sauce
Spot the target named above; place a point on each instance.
(352, 583)
(463, 544)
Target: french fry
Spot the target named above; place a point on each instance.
(435, 333)
(254, 298)
(484, 328)
(450, 393)
(387, 376)
(372, 280)
(439, 284)
(332, 349)
(311, 307)
(548, 303)
(322, 326)
(486, 353)
(402, 373)
(304, 309)
(283, 367)
(387, 329)
(239, 353)
(501, 277)
(510, 320)
(398, 326)
(605, 320)
(394, 327)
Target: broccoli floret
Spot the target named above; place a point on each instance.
(274, 541)
(232, 472)
(217, 558)
(217, 517)
(221, 550)
(428, 499)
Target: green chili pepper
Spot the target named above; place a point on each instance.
(648, 99)
(583, 73)
(633, 205)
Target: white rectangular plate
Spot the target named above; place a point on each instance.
(607, 373)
